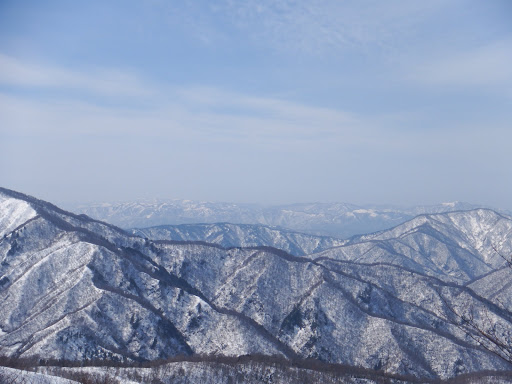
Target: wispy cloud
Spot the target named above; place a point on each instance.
(322, 25)
(203, 113)
(486, 66)
(235, 119)
(100, 82)
(301, 26)
(266, 116)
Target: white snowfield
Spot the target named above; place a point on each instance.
(13, 213)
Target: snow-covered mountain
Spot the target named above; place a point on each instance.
(339, 220)
(456, 246)
(75, 288)
(242, 235)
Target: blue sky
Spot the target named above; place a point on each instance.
(402, 102)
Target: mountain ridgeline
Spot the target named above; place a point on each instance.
(242, 235)
(339, 220)
(75, 288)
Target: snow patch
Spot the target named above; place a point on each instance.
(370, 212)
(13, 213)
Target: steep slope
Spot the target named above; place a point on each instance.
(76, 288)
(242, 235)
(339, 220)
(456, 246)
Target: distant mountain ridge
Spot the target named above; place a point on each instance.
(459, 245)
(242, 235)
(340, 220)
(75, 288)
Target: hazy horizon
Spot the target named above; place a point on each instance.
(77, 204)
(264, 102)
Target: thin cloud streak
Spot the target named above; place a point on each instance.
(321, 25)
(487, 66)
(267, 120)
(199, 113)
(193, 112)
(102, 82)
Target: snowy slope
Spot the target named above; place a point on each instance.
(16, 376)
(75, 288)
(459, 246)
(14, 212)
(242, 235)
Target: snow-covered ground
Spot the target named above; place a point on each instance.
(17, 376)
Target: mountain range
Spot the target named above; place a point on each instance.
(394, 301)
(242, 235)
(340, 220)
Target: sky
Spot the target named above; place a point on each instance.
(268, 101)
